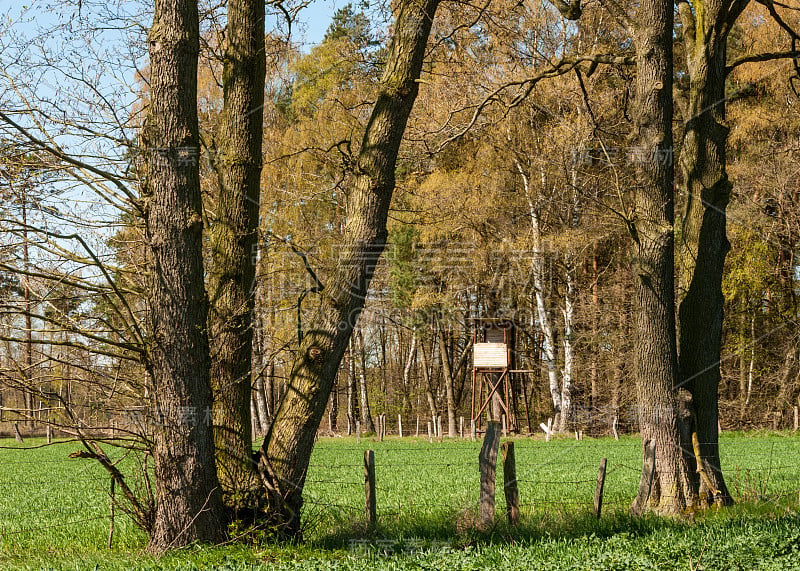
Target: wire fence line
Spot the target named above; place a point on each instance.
(549, 475)
(413, 480)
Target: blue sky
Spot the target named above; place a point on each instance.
(317, 17)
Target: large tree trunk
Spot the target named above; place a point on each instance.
(653, 264)
(233, 238)
(704, 243)
(188, 504)
(286, 451)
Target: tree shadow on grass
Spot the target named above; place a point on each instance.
(461, 529)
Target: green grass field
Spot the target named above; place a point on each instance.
(54, 512)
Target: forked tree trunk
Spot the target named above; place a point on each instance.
(287, 448)
(653, 265)
(188, 504)
(233, 238)
(704, 243)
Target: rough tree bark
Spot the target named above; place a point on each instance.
(232, 238)
(704, 243)
(287, 448)
(651, 227)
(189, 506)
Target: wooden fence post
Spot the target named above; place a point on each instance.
(380, 428)
(487, 460)
(796, 419)
(400, 425)
(17, 434)
(430, 435)
(646, 483)
(510, 482)
(358, 431)
(417, 434)
(439, 427)
(505, 426)
(461, 428)
(371, 506)
(614, 427)
(598, 490)
(49, 433)
(473, 431)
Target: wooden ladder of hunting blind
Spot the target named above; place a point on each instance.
(493, 370)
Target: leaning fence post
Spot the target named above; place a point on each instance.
(488, 466)
(510, 482)
(370, 508)
(598, 490)
(646, 483)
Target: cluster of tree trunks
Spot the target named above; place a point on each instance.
(189, 503)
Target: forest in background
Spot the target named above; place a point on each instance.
(531, 200)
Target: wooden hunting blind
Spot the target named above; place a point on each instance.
(492, 366)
